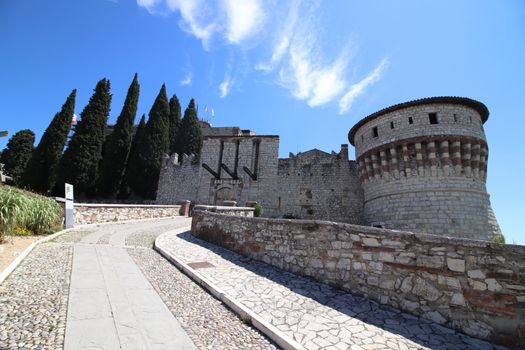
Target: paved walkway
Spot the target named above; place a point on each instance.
(111, 304)
(313, 314)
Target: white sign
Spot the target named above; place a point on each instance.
(69, 192)
(70, 219)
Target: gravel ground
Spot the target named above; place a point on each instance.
(33, 300)
(142, 240)
(209, 323)
(71, 236)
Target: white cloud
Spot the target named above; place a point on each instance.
(234, 20)
(358, 88)
(225, 87)
(148, 4)
(244, 19)
(187, 80)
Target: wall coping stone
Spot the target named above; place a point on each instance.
(124, 205)
(375, 231)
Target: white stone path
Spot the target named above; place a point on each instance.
(112, 305)
(313, 314)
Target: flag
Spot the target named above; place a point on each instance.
(206, 109)
(74, 120)
(212, 113)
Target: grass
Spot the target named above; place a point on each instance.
(23, 213)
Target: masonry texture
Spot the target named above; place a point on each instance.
(420, 166)
(473, 286)
(423, 167)
(99, 213)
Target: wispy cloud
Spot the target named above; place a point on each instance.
(225, 87)
(345, 103)
(235, 21)
(244, 18)
(187, 79)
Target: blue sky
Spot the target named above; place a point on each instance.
(306, 70)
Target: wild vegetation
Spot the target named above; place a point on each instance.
(23, 212)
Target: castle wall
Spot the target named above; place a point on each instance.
(178, 181)
(423, 168)
(318, 185)
(473, 286)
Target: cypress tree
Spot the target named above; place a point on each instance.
(17, 153)
(131, 180)
(155, 145)
(174, 120)
(116, 149)
(80, 163)
(190, 131)
(41, 171)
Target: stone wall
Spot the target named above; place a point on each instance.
(319, 185)
(474, 286)
(99, 213)
(232, 211)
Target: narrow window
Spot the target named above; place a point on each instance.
(391, 125)
(433, 118)
(374, 131)
(410, 120)
(470, 119)
(455, 118)
(362, 137)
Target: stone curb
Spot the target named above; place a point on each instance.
(14, 264)
(242, 311)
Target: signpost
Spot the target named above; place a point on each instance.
(70, 219)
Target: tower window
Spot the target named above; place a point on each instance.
(433, 118)
(455, 118)
(391, 125)
(374, 132)
(410, 120)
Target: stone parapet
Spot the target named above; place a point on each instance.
(99, 213)
(474, 286)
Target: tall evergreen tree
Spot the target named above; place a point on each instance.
(190, 131)
(156, 144)
(131, 180)
(174, 120)
(41, 171)
(116, 150)
(17, 153)
(80, 162)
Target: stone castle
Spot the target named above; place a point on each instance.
(420, 166)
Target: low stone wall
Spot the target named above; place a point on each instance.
(476, 287)
(232, 211)
(98, 213)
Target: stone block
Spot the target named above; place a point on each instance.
(476, 274)
(457, 265)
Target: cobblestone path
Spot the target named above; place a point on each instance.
(34, 298)
(315, 315)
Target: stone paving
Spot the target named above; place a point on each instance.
(34, 298)
(315, 315)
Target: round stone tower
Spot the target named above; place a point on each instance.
(423, 166)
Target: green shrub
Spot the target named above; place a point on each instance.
(258, 210)
(22, 211)
(500, 239)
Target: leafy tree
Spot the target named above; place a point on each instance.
(190, 131)
(116, 149)
(155, 145)
(131, 180)
(174, 120)
(41, 171)
(80, 162)
(17, 153)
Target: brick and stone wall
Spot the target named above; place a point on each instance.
(474, 286)
(319, 185)
(100, 213)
